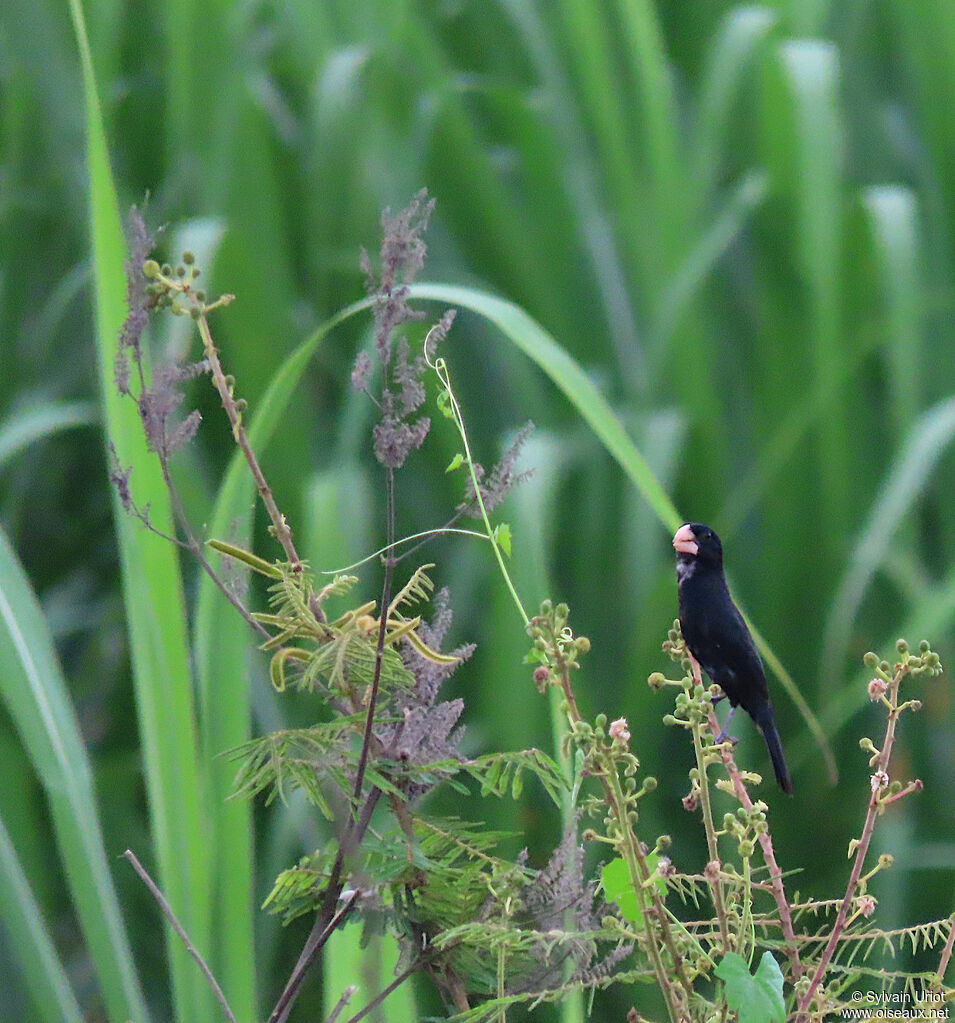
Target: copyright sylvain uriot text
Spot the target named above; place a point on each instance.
(897, 1005)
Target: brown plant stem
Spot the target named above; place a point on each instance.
(946, 955)
(180, 930)
(280, 527)
(190, 543)
(881, 763)
(634, 855)
(325, 924)
(195, 549)
(712, 843)
(382, 995)
(765, 840)
(341, 1003)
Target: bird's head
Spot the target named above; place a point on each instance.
(698, 543)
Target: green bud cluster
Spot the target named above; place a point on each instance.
(173, 288)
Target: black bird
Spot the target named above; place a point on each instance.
(718, 638)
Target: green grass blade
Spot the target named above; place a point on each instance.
(928, 439)
(732, 53)
(783, 442)
(36, 697)
(565, 372)
(812, 71)
(154, 599)
(37, 958)
(893, 212)
(670, 200)
(699, 262)
(29, 425)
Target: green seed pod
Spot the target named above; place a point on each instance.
(151, 268)
(870, 660)
(188, 258)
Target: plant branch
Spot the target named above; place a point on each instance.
(878, 782)
(192, 545)
(319, 935)
(354, 831)
(637, 865)
(280, 527)
(341, 1003)
(427, 534)
(712, 844)
(946, 952)
(382, 995)
(765, 839)
(441, 369)
(180, 930)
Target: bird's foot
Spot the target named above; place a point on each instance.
(724, 734)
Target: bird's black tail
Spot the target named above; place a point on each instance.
(767, 725)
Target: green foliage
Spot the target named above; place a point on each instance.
(736, 219)
(618, 887)
(757, 998)
(304, 758)
(498, 772)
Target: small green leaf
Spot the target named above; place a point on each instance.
(615, 877)
(444, 404)
(502, 536)
(757, 998)
(455, 462)
(517, 785)
(230, 550)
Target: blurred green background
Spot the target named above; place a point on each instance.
(738, 219)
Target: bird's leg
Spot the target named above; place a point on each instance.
(698, 679)
(695, 669)
(724, 734)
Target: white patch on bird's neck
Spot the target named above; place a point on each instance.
(685, 567)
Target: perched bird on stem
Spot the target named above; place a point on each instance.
(718, 639)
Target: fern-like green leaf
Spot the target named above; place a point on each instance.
(306, 758)
(500, 772)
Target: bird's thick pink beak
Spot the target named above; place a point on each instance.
(684, 541)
